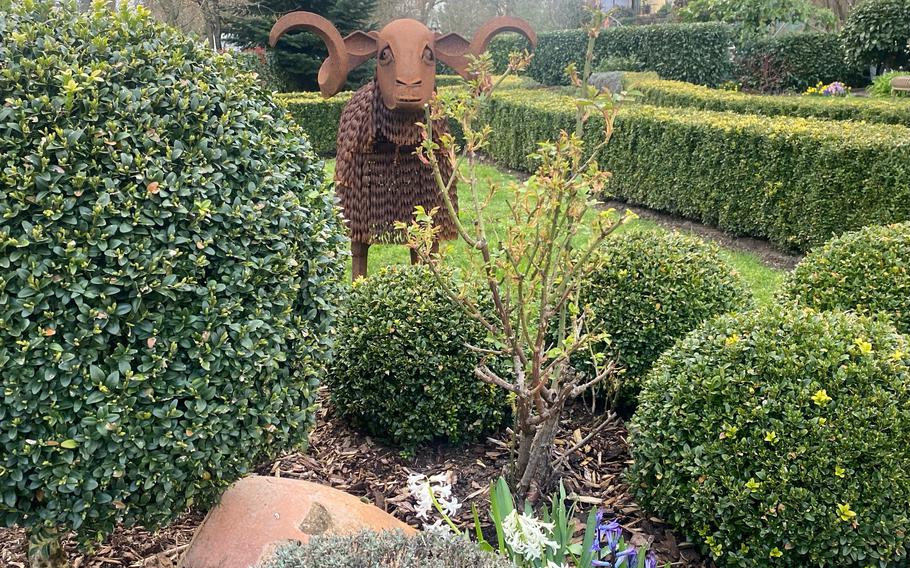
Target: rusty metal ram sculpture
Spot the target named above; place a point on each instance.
(379, 179)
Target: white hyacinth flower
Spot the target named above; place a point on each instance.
(438, 528)
(525, 535)
(424, 488)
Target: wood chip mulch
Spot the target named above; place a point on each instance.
(342, 458)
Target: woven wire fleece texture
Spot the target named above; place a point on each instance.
(379, 180)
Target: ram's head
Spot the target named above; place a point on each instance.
(406, 51)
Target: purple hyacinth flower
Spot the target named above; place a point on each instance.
(627, 558)
(598, 532)
(612, 532)
(651, 560)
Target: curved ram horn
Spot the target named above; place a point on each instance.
(334, 70)
(453, 50)
(502, 24)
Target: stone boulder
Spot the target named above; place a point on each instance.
(257, 513)
(611, 80)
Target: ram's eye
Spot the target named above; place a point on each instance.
(385, 56)
(428, 55)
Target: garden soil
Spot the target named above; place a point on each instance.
(342, 458)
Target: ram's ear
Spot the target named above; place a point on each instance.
(360, 47)
(452, 49)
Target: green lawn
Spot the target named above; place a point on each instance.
(763, 279)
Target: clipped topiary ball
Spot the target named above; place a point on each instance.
(402, 371)
(779, 438)
(867, 271)
(390, 549)
(652, 287)
(170, 253)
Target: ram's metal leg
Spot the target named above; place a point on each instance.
(359, 252)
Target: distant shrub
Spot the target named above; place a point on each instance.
(261, 62)
(802, 60)
(385, 550)
(881, 86)
(757, 18)
(698, 53)
(867, 271)
(876, 33)
(402, 370)
(617, 63)
(171, 258)
(653, 287)
(779, 438)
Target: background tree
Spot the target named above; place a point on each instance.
(465, 16)
(422, 10)
(760, 17)
(841, 8)
(184, 15)
(213, 20)
(877, 33)
(299, 55)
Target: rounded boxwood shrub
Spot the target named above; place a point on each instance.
(867, 271)
(402, 371)
(390, 549)
(779, 438)
(650, 289)
(169, 251)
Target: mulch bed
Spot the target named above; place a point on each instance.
(342, 458)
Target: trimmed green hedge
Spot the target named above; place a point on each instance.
(676, 93)
(803, 59)
(319, 117)
(794, 181)
(697, 53)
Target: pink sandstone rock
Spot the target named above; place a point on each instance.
(257, 513)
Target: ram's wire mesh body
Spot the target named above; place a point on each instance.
(379, 179)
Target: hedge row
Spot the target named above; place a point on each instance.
(697, 53)
(320, 116)
(794, 181)
(797, 61)
(676, 93)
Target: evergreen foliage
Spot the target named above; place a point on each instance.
(299, 55)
